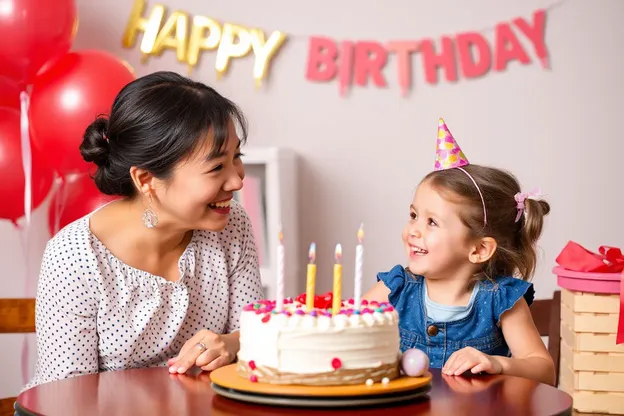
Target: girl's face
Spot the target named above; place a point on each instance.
(198, 195)
(436, 241)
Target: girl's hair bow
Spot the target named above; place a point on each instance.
(520, 197)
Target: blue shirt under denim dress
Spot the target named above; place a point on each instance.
(476, 325)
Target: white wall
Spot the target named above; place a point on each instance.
(362, 155)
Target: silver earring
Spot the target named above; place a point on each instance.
(150, 219)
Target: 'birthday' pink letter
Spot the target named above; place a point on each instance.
(467, 44)
(322, 54)
(403, 50)
(370, 58)
(444, 59)
(505, 35)
(535, 33)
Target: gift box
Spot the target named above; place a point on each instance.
(592, 327)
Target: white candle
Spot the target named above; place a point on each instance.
(359, 263)
(280, 273)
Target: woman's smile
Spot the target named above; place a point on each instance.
(221, 207)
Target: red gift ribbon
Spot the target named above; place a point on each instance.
(608, 260)
(577, 258)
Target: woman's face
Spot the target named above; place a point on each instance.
(198, 194)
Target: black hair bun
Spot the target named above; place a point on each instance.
(95, 146)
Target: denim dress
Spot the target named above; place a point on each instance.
(478, 328)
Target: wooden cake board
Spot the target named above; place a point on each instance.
(228, 383)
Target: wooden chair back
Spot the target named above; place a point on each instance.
(17, 316)
(547, 317)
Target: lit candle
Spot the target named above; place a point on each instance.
(359, 262)
(280, 273)
(337, 295)
(311, 278)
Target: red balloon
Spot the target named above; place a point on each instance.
(76, 197)
(67, 97)
(34, 32)
(9, 93)
(11, 170)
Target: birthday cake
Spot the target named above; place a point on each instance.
(294, 344)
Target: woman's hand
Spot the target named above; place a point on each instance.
(206, 350)
(471, 359)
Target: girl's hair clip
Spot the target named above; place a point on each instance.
(521, 197)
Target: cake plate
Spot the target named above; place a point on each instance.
(228, 383)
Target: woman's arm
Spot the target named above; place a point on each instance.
(245, 287)
(530, 358)
(67, 338)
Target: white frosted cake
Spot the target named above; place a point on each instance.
(314, 347)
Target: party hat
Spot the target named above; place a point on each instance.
(448, 153)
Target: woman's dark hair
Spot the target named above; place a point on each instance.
(516, 251)
(155, 122)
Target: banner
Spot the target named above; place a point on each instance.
(349, 63)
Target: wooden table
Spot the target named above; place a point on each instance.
(153, 391)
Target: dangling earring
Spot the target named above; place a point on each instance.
(150, 219)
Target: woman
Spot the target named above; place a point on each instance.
(158, 277)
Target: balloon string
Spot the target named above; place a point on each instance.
(26, 155)
(61, 196)
(23, 236)
(25, 230)
(59, 204)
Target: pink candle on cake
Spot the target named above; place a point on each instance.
(280, 273)
(359, 265)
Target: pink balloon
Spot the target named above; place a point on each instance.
(414, 362)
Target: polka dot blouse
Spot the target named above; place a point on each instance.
(95, 313)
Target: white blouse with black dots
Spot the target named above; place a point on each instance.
(95, 313)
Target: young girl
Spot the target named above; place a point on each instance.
(464, 297)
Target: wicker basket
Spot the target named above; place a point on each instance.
(591, 364)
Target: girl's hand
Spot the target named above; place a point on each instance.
(469, 385)
(471, 359)
(206, 350)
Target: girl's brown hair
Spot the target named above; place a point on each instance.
(516, 252)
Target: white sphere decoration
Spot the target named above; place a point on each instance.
(414, 362)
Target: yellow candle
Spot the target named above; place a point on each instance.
(337, 294)
(311, 277)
